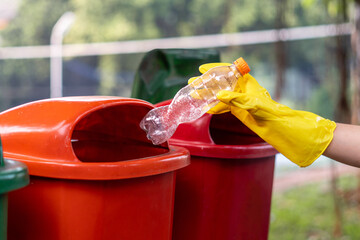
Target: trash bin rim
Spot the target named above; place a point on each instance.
(200, 149)
(13, 175)
(176, 158)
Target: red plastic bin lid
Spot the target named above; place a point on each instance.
(219, 136)
(86, 138)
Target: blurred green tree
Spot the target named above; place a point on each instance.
(25, 80)
(116, 20)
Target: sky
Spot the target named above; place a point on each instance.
(8, 10)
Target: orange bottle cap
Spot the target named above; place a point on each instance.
(242, 66)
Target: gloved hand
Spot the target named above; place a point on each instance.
(220, 107)
(300, 136)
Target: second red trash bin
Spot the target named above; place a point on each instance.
(225, 193)
(93, 173)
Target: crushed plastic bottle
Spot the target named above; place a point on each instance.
(192, 101)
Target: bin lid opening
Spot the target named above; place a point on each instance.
(113, 134)
(226, 129)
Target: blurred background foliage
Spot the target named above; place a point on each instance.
(305, 212)
(310, 69)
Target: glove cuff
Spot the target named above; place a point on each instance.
(303, 149)
(326, 135)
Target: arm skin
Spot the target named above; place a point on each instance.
(345, 146)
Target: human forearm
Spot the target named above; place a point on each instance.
(345, 146)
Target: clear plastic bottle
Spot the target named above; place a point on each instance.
(192, 101)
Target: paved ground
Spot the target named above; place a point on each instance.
(288, 175)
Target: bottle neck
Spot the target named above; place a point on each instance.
(235, 71)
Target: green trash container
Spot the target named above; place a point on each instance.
(13, 175)
(163, 72)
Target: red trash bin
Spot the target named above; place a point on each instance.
(93, 173)
(225, 193)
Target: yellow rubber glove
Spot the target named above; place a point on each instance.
(300, 136)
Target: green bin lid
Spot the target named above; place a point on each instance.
(13, 174)
(163, 72)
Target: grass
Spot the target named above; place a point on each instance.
(307, 212)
